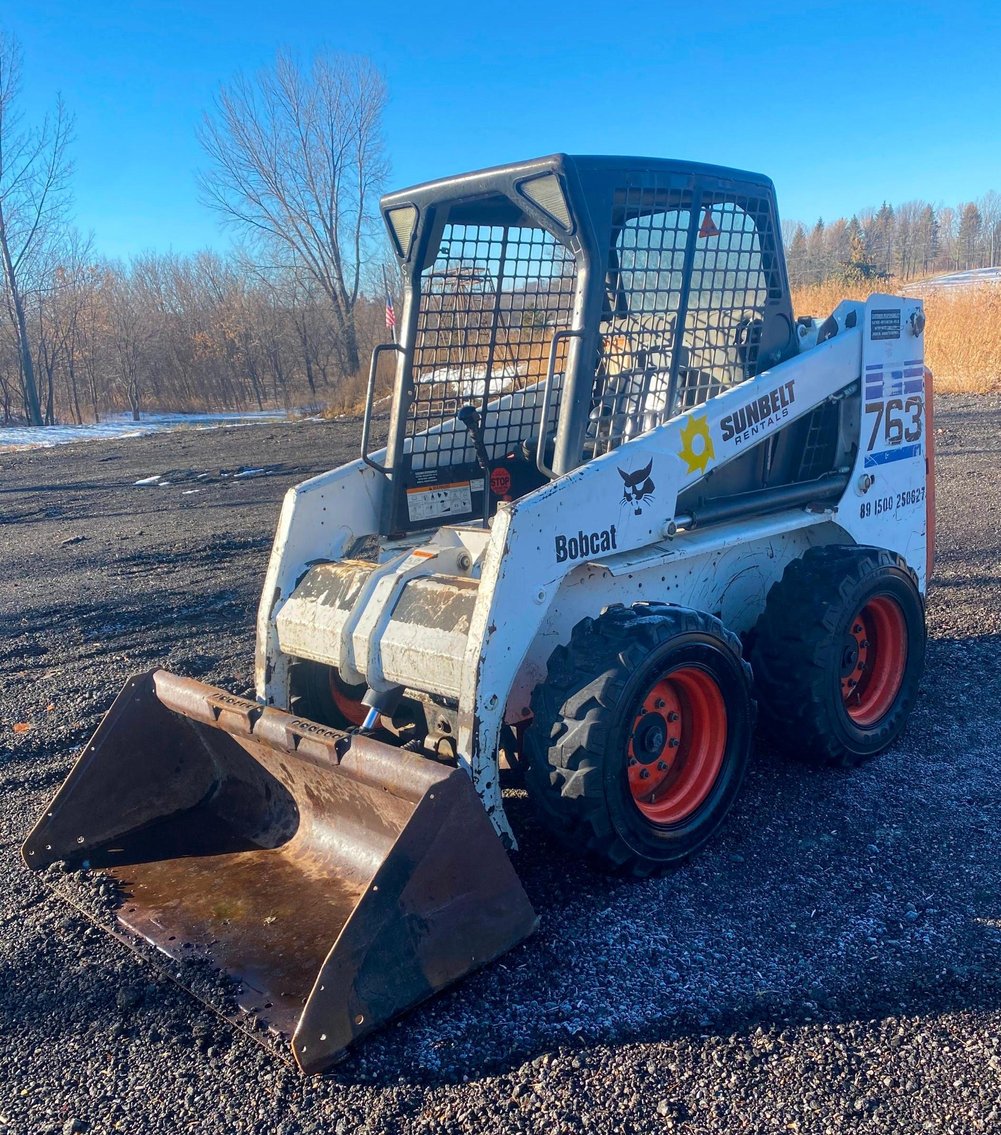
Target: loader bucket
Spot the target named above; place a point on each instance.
(338, 879)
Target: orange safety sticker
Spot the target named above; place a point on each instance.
(708, 228)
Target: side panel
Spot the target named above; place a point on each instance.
(726, 570)
(886, 502)
(320, 520)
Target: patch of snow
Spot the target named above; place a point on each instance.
(119, 426)
(471, 382)
(971, 277)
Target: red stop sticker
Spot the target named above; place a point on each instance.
(500, 482)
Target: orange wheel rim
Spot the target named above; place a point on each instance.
(873, 658)
(353, 711)
(676, 744)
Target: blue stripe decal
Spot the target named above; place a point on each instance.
(913, 387)
(914, 372)
(914, 362)
(901, 453)
(874, 366)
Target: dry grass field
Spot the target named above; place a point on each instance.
(962, 341)
(963, 338)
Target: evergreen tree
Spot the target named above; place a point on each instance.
(881, 244)
(796, 258)
(926, 239)
(970, 223)
(861, 266)
(816, 256)
(838, 249)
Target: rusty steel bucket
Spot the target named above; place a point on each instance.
(338, 879)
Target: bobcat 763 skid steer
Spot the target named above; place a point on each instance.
(626, 498)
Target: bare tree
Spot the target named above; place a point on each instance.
(131, 329)
(34, 174)
(297, 159)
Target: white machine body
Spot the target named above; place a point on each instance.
(471, 613)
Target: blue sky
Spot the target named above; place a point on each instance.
(842, 104)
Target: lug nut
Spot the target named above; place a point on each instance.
(672, 716)
(661, 767)
(673, 743)
(644, 774)
(659, 703)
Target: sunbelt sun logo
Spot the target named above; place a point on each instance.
(696, 444)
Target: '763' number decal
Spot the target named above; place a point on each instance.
(896, 420)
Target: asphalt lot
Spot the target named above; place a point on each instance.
(829, 963)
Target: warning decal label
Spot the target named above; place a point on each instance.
(441, 500)
(885, 324)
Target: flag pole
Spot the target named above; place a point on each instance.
(389, 305)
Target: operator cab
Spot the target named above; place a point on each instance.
(556, 308)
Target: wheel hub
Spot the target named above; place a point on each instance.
(649, 738)
(676, 745)
(873, 660)
(849, 657)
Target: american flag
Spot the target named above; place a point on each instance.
(390, 314)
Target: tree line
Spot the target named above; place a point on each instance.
(294, 165)
(906, 241)
(202, 332)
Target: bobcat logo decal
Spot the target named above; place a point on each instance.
(639, 487)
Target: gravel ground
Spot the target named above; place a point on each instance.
(829, 964)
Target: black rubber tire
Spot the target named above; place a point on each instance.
(575, 749)
(797, 653)
(312, 696)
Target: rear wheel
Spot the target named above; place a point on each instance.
(838, 654)
(641, 735)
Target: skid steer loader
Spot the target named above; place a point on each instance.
(627, 498)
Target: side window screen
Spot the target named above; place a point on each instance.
(644, 283)
(726, 302)
(647, 340)
(651, 252)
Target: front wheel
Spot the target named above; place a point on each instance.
(319, 693)
(641, 736)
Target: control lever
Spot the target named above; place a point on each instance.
(470, 418)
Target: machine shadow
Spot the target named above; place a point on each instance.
(834, 896)
(830, 896)
(960, 972)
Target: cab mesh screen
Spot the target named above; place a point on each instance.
(660, 355)
(489, 307)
